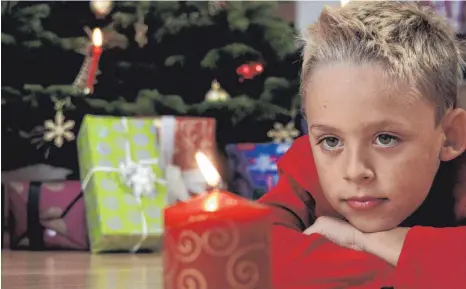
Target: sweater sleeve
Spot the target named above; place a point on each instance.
(300, 261)
(432, 258)
(292, 206)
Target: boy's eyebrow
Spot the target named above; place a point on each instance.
(383, 124)
(388, 124)
(322, 127)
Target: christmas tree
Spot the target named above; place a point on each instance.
(159, 58)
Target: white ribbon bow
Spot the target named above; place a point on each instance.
(138, 176)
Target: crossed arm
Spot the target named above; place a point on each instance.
(331, 253)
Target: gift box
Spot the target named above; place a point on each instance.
(179, 140)
(47, 215)
(253, 167)
(124, 191)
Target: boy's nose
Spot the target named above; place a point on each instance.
(357, 169)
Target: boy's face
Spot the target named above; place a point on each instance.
(376, 149)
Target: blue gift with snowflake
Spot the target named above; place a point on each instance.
(253, 167)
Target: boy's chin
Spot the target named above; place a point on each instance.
(372, 226)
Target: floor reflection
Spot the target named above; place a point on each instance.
(54, 270)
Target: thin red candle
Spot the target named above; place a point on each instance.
(217, 240)
(97, 40)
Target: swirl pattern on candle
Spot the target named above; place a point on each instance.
(221, 241)
(191, 279)
(244, 274)
(170, 263)
(189, 246)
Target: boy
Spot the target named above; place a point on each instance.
(379, 88)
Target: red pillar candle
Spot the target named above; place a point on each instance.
(97, 40)
(217, 240)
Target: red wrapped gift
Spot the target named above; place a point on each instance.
(179, 139)
(47, 215)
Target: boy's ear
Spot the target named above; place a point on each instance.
(454, 129)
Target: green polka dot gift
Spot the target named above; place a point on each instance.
(124, 191)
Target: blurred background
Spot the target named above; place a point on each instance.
(233, 63)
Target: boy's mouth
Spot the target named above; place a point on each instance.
(365, 203)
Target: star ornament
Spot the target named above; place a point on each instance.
(283, 133)
(59, 130)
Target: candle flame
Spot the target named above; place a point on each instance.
(97, 37)
(211, 204)
(344, 2)
(208, 170)
(101, 7)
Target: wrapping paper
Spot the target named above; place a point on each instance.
(47, 215)
(253, 167)
(179, 140)
(118, 219)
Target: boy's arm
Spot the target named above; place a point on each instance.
(425, 257)
(292, 207)
(300, 261)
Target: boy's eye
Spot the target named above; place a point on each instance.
(330, 143)
(386, 140)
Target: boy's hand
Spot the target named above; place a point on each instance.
(386, 245)
(338, 231)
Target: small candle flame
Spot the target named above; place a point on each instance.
(212, 178)
(211, 175)
(211, 204)
(97, 37)
(344, 2)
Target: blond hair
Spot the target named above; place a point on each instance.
(410, 42)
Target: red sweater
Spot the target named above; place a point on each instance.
(431, 257)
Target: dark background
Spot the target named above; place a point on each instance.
(188, 46)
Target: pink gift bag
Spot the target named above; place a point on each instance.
(47, 215)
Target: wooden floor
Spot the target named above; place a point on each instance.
(64, 270)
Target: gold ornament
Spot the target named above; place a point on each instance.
(283, 134)
(216, 93)
(59, 130)
(101, 8)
